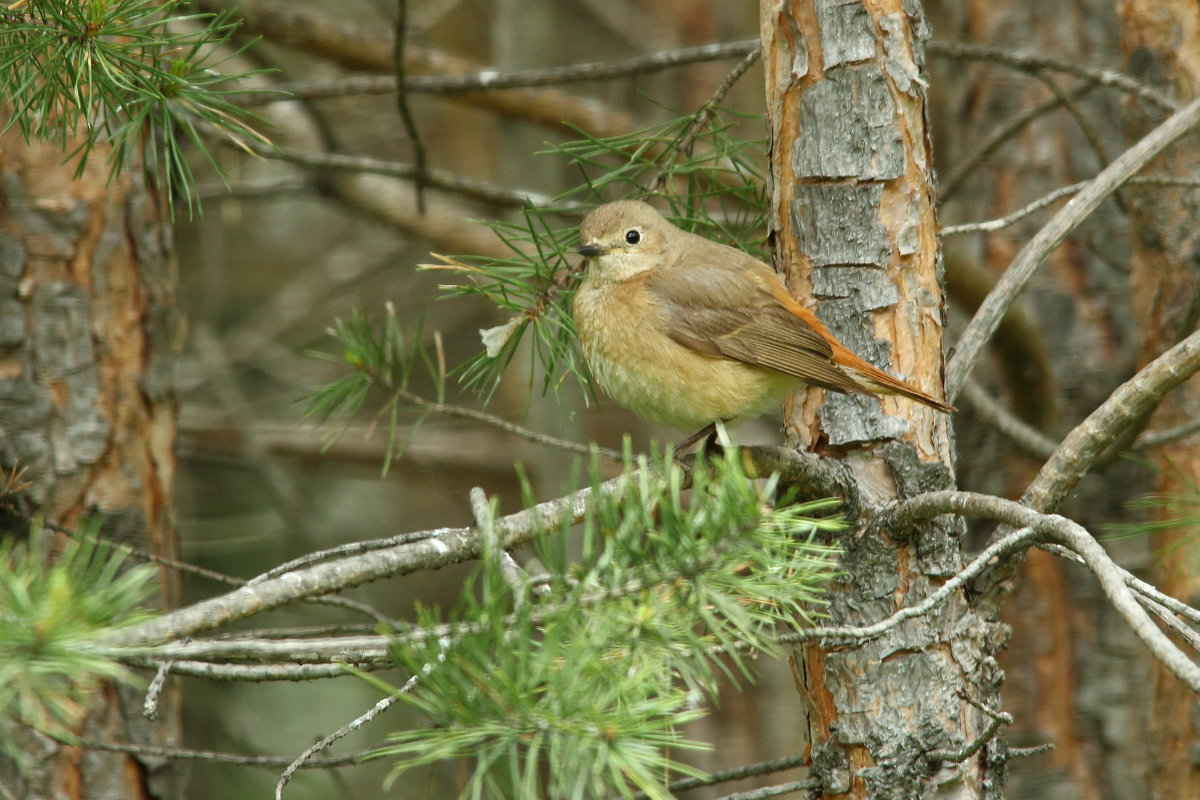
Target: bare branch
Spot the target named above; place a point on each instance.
(907, 514)
(186, 754)
(490, 79)
(508, 427)
(314, 650)
(421, 168)
(259, 673)
(1150, 439)
(447, 546)
(735, 774)
(1113, 580)
(324, 36)
(806, 785)
(1026, 752)
(1034, 253)
(1034, 63)
(345, 730)
(971, 748)
(1125, 407)
(956, 177)
(436, 178)
(1058, 194)
(682, 147)
(1000, 419)
(1019, 214)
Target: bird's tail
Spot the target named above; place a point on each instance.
(876, 381)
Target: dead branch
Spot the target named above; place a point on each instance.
(1035, 252)
(1125, 407)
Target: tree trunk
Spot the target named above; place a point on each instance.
(1161, 44)
(852, 219)
(88, 330)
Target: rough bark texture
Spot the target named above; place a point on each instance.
(1161, 44)
(853, 226)
(88, 328)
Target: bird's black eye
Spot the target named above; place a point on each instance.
(633, 236)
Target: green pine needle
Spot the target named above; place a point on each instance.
(121, 74)
(50, 610)
(581, 692)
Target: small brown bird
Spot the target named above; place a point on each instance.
(684, 332)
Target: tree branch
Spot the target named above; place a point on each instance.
(341, 732)
(990, 411)
(1035, 63)
(1113, 579)
(1035, 252)
(1127, 405)
(441, 548)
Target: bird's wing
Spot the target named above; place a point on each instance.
(734, 312)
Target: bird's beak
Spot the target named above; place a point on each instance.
(591, 250)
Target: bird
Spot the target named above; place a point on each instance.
(686, 332)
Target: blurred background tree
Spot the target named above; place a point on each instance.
(333, 215)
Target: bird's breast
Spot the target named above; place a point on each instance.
(624, 338)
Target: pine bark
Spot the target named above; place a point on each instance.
(88, 330)
(851, 209)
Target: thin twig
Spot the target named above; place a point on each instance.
(145, 555)
(682, 147)
(807, 785)
(989, 411)
(1090, 134)
(971, 748)
(345, 730)
(421, 169)
(150, 704)
(1026, 752)
(1159, 438)
(495, 79)
(1014, 542)
(185, 754)
(434, 178)
(1036, 62)
(956, 177)
(1009, 219)
(1058, 194)
(528, 434)
(735, 774)
(1034, 253)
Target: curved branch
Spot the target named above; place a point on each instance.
(1125, 407)
(259, 673)
(906, 515)
(1035, 252)
(1113, 580)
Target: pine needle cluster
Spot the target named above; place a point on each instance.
(576, 684)
(126, 74)
(51, 613)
